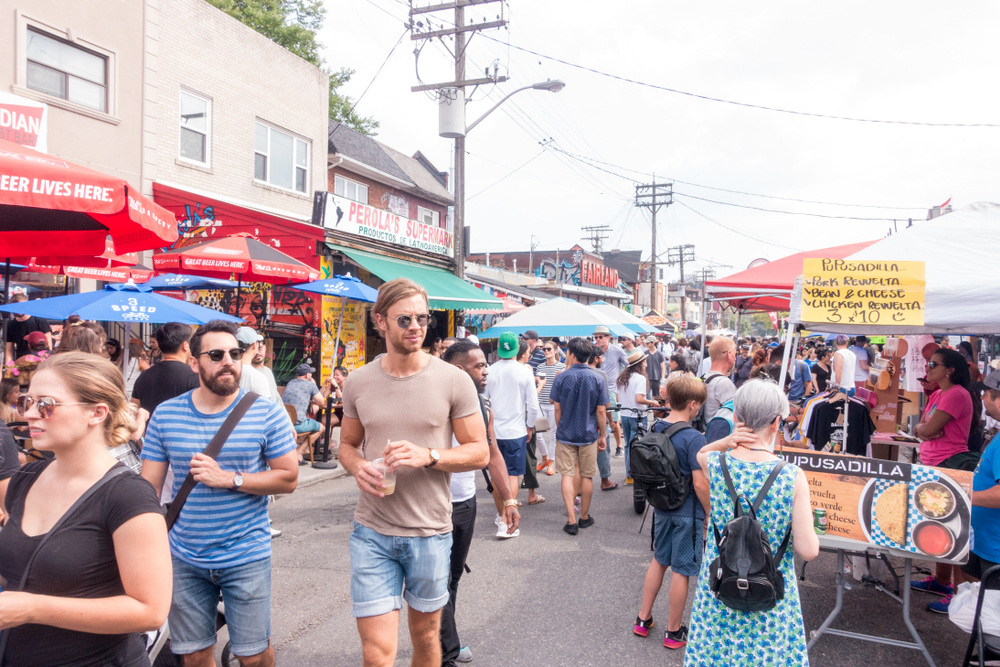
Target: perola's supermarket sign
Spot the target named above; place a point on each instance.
(344, 215)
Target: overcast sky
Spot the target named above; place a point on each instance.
(896, 61)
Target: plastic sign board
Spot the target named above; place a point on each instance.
(24, 121)
(868, 292)
(342, 214)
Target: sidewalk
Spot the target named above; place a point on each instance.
(309, 475)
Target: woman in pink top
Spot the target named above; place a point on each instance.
(945, 426)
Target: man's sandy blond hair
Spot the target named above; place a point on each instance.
(718, 348)
(392, 292)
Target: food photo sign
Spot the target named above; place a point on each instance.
(914, 508)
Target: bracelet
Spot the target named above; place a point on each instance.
(510, 502)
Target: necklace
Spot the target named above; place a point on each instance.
(756, 449)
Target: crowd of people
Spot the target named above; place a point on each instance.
(197, 418)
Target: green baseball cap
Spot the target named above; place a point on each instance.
(508, 346)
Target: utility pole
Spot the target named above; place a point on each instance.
(679, 255)
(654, 196)
(421, 32)
(597, 235)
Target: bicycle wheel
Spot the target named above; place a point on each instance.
(228, 659)
(638, 499)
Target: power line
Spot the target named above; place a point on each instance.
(370, 83)
(749, 105)
(772, 210)
(509, 174)
(736, 231)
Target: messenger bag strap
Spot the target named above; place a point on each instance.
(212, 451)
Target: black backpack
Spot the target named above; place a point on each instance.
(700, 421)
(657, 471)
(745, 576)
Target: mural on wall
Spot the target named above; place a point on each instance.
(568, 272)
(197, 225)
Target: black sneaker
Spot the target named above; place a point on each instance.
(571, 528)
(619, 453)
(586, 523)
(675, 640)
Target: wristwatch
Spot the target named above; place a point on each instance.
(435, 457)
(237, 482)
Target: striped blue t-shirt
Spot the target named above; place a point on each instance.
(218, 527)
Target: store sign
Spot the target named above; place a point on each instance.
(23, 121)
(598, 274)
(886, 293)
(914, 508)
(333, 212)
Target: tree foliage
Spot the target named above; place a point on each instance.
(294, 24)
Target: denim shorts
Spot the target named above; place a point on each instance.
(308, 425)
(515, 452)
(382, 564)
(246, 592)
(673, 543)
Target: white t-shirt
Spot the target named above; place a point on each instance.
(463, 484)
(636, 385)
(253, 380)
(849, 372)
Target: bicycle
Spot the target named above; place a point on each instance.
(638, 495)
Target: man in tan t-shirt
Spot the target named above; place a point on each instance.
(404, 407)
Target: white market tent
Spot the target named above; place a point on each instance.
(962, 255)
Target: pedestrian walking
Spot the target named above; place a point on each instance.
(467, 356)
(722, 353)
(580, 400)
(632, 394)
(614, 361)
(530, 479)
(258, 365)
(172, 375)
(221, 542)
(547, 441)
(251, 380)
(511, 390)
(603, 455)
(721, 635)
(402, 534)
(84, 552)
(655, 367)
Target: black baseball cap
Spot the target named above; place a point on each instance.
(530, 334)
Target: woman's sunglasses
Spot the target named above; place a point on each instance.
(931, 365)
(46, 405)
(236, 354)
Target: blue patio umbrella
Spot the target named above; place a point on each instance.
(176, 281)
(346, 287)
(122, 302)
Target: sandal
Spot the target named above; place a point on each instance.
(549, 471)
(539, 499)
(642, 627)
(541, 466)
(610, 488)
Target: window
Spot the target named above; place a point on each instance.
(280, 159)
(428, 217)
(195, 125)
(66, 71)
(350, 190)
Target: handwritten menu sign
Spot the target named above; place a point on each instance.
(914, 508)
(886, 293)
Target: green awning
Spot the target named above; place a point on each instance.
(445, 290)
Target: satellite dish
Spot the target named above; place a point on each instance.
(758, 262)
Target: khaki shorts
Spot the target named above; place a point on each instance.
(568, 456)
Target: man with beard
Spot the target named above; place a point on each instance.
(404, 407)
(467, 356)
(250, 379)
(221, 542)
(258, 365)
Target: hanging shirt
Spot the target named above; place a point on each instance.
(827, 425)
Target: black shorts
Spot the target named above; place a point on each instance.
(977, 567)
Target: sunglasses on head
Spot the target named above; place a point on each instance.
(46, 405)
(404, 321)
(236, 354)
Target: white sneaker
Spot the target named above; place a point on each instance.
(498, 521)
(502, 532)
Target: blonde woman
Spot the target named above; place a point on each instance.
(104, 575)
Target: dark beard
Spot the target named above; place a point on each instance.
(221, 386)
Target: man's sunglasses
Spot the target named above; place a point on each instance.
(404, 321)
(236, 354)
(46, 405)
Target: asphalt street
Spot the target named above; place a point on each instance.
(547, 598)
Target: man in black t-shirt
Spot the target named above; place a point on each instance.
(172, 376)
(19, 328)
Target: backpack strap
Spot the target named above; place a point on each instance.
(784, 545)
(738, 509)
(759, 500)
(676, 427)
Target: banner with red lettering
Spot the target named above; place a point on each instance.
(24, 122)
(344, 215)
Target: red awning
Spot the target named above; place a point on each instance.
(769, 286)
(54, 208)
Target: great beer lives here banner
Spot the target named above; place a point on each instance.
(884, 293)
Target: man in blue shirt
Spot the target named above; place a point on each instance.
(221, 541)
(985, 551)
(579, 398)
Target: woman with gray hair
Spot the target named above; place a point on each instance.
(776, 636)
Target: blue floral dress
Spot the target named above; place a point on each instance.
(723, 636)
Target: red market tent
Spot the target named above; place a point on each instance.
(241, 254)
(768, 287)
(55, 208)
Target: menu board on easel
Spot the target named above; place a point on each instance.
(915, 508)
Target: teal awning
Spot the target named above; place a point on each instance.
(445, 290)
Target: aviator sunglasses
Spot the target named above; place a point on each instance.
(46, 405)
(236, 354)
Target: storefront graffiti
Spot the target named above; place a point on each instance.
(566, 273)
(194, 227)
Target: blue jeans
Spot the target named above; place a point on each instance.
(629, 427)
(604, 459)
(381, 564)
(246, 592)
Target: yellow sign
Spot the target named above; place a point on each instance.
(879, 292)
(351, 353)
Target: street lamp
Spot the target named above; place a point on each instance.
(458, 100)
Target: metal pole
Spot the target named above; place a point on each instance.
(459, 231)
(704, 319)
(6, 299)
